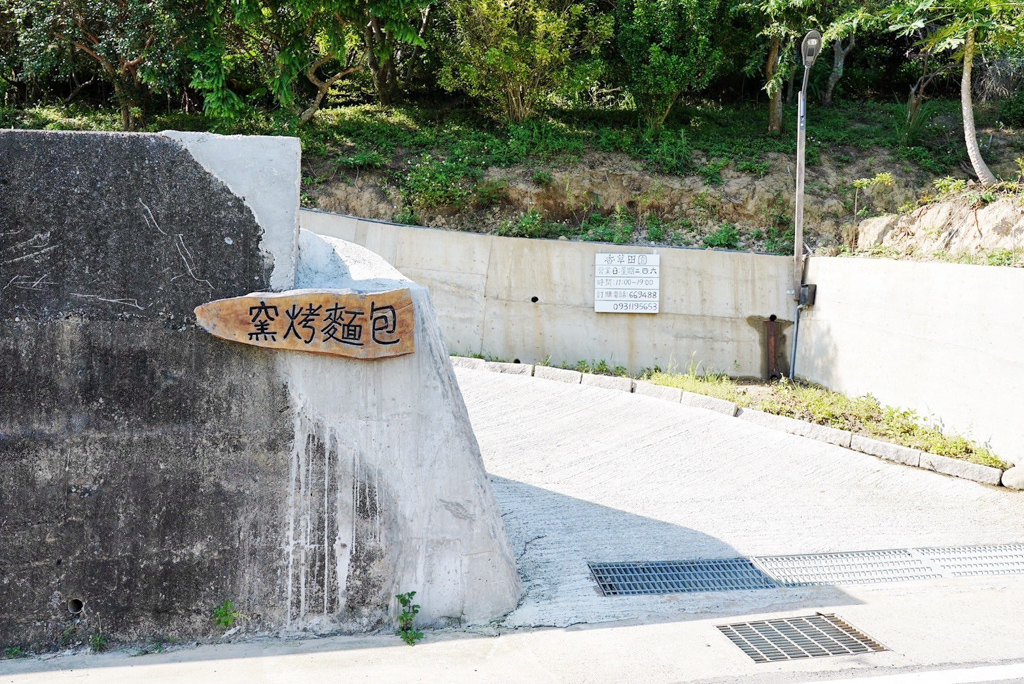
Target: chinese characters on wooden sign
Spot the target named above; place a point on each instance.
(361, 326)
(627, 283)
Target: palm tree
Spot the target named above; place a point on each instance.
(984, 174)
(959, 27)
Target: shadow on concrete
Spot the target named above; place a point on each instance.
(555, 536)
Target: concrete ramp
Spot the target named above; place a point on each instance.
(586, 474)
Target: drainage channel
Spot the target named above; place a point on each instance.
(822, 569)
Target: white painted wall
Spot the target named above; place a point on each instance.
(483, 287)
(944, 339)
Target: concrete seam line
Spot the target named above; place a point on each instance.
(864, 445)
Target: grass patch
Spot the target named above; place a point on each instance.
(864, 415)
(597, 368)
(532, 224)
(711, 384)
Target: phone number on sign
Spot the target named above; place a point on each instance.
(635, 306)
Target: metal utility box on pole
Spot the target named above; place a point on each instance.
(809, 49)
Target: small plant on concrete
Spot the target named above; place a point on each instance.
(225, 615)
(12, 652)
(409, 634)
(98, 643)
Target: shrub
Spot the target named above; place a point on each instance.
(512, 56)
(437, 183)
(668, 48)
(1011, 112)
(617, 228)
(726, 237)
(532, 224)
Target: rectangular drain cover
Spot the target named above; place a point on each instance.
(814, 636)
(856, 567)
(669, 577)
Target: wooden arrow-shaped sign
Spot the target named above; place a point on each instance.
(339, 322)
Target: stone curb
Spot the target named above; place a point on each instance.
(1013, 478)
(798, 427)
(958, 468)
(648, 389)
(468, 362)
(703, 401)
(558, 374)
(887, 450)
(608, 382)
(509, 368)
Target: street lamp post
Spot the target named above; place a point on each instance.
(809, 49)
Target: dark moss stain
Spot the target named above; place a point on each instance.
(143, 463)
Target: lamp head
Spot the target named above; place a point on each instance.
(810, 48)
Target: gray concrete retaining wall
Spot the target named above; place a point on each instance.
(135, 449)
(533, 300)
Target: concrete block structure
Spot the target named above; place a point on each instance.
(149, 471)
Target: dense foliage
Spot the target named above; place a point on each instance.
(512, 60)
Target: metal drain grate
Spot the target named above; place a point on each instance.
(669, 577)
(969, 561)
(858, 567)
(814, 636)
(816, 569)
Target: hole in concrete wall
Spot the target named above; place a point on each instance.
(515, 361)
(773, 317)
(75, 606)
(534, 300)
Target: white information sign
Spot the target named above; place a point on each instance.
(627, 283)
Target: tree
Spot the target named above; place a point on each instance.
(136, 44)
(512, 54)
(387, 25)
(851, 17)
(11, 83)
(321, 41)
(931, 66)
(783, 22)
(962, 27)
(668, 48)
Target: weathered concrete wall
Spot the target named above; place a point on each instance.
(943, 339)
(135, 450)
(151, 471)
(533, 300)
